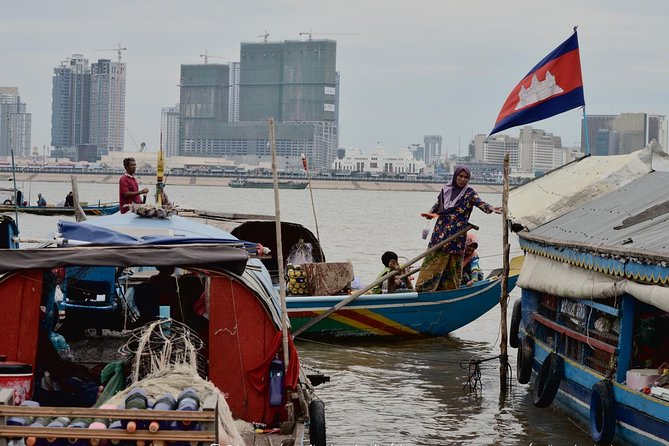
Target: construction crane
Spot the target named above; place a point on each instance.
(310, 34)
(118, 50)
(264, 36)
(207, 56)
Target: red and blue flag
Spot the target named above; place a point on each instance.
(552, 87)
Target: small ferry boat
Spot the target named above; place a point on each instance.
(592, 325)
(257, 184)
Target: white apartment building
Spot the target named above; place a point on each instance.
(378, 162)
(107, 120)
(15, 123)
(534, 150)
(492, 150)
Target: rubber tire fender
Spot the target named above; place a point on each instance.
(7, 202)
(602, 413)
(524, 360)
(317, 423)
(514, 328)
(548, 380)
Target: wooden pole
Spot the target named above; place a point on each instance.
(279, 246)
(379, 281)
(504, 298)
(16, 195)
(160, 174)
(311, 192)
(79, 214)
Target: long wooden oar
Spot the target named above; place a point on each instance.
(79, 214)
(380, 280)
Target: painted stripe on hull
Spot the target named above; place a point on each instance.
(400, 314)
(294, 302)
(364, 320)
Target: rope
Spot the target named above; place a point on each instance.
(239, 347)
(161, 344)
(474, 366)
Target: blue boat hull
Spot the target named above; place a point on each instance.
(399, 314)
(61, 210)
(640, 419)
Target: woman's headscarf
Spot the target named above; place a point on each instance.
(471, 241)
(451, 193)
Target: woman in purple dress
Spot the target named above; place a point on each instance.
(442, 269)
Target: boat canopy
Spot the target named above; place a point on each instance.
(617, 243)
(558, 278)
(84, 233)
(130, 229)
(629, 225)
(219, 257)
(571, 186)
(138, 227)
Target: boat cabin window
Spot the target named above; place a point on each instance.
(650, 349)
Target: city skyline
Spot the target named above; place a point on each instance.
(434, 68)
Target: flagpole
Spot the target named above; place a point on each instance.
(585, 128)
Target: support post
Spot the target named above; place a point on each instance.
(279, 246)
(504, 297)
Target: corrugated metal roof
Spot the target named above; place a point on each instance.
(577, 183)
(632, 221)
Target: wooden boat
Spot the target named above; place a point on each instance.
(239, 327)
(254, 184)
(591, 326)
(398, 314)
(102, 209)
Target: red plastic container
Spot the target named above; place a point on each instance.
(17, 376)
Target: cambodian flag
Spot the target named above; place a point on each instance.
(553, 86)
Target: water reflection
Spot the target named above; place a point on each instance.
(406, 392)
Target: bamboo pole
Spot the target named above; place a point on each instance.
(279, 246)
(504, 298)
(311, 192)
(16, 195)
(379, 281)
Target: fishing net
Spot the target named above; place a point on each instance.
(152, 211)
(165, 357)
(160, 344)
(173, 379)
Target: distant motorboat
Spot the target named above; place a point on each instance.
(101, 209)
(254, 184)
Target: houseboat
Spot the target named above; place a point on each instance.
(592, 325)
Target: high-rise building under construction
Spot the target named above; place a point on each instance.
(294, 82)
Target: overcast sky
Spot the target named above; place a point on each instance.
(408, 68)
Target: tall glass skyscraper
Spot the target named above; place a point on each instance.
(88, 104)
(107, 119)
(70, 107)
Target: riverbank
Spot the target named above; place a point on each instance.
(146, 180)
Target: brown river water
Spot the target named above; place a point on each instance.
(410, 392)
